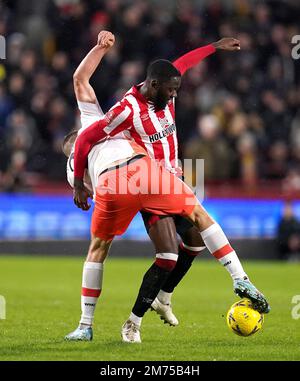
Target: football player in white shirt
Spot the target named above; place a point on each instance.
(116, 152)
(114, 156)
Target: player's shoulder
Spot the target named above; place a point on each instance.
(121, 110)
(123, 104)
(134, 92)
(129, 92)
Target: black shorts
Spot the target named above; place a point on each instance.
(182, 224)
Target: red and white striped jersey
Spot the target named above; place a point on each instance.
(134, 115)
(154, 130)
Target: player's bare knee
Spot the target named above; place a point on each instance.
(165, 243)
(98, 249)
(200, 218)
(168, 247)
(192, 238)
(164, 237)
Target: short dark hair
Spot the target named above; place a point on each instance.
(69, 139)
(162, 70)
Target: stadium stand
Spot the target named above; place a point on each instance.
(241, 111)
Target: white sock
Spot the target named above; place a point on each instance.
(92, 277)
(218, 245)
(164, 297)
(135, 319)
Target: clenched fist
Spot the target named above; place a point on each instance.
(105, 39)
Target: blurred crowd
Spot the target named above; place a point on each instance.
(238, 111)
(288, 234)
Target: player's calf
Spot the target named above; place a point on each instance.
(162, 304)
(152, 282)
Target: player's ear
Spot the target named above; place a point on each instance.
(154, 84)
(68, 142)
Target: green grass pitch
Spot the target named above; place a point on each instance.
(42, 296)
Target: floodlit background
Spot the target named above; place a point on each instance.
(237, 111)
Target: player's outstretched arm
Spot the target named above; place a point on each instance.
(83, 145)
(227, 43)
(114, 121)
(83, 90)
(195, 56)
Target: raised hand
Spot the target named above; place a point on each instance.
(81, 195)
(227, 43)
(105, 39)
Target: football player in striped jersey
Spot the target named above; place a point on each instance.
(155, 98)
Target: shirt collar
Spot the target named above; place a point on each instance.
(136, 92)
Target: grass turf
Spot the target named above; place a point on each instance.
(42, 296)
